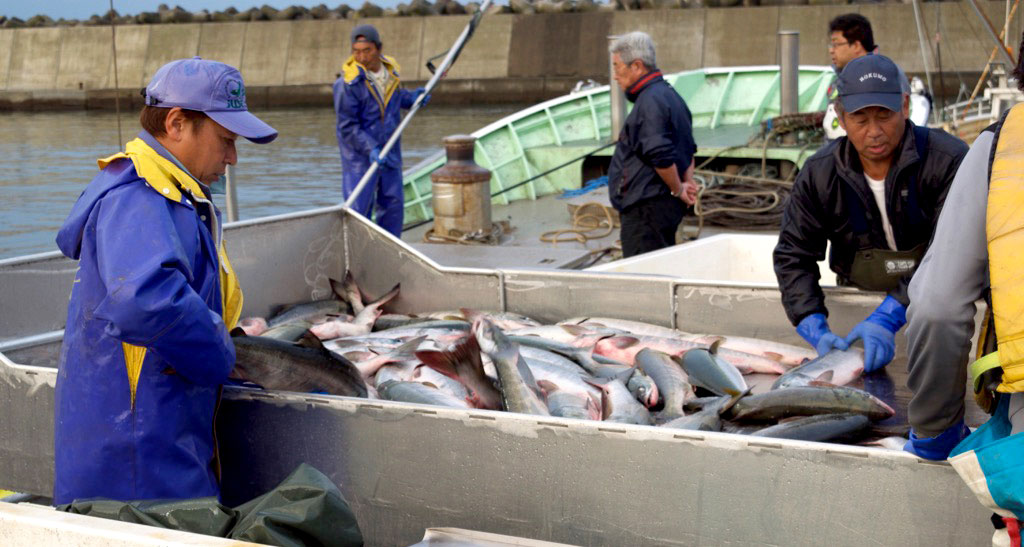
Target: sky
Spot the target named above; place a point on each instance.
(83, 9)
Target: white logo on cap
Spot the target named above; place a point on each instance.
(873, 75)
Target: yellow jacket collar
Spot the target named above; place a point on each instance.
(161, 174)
(352, 68)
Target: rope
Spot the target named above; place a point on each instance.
(478, 237)
(592, 220)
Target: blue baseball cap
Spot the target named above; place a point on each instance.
(368, 32)
(211, 87)
(871, 80)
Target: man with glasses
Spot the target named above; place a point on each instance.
(850, 37)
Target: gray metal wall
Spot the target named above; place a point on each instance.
(408, 467)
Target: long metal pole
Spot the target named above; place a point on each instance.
(993, 35)
(117, 95)
(441, 70)
(789, 69)
(617, 98)
(230, 194)
(922, 41)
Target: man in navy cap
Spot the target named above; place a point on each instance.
(368, 103)
(146, 344)
(875, 194)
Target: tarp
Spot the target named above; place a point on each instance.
(305, 509)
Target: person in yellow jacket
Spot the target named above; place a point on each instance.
(975, 253)
(146, 343)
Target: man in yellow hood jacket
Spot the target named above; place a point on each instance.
(146, 344)
(368, 103)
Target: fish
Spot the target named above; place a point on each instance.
(889, 443)
(706, 369)
(822, 427)
(672, 381)
(709, 418)
(463, 363)
(303, 367)
(566, 380)
(568, 404)
(618, 405)
(404, 352)
(639, 384)
(786, 354)
(362, 323)
(809, 401)
(315, 311)
(348, 291)
(625, 348)
(559, 361)
(519, 390)
(396, 320)
(253, 326)
(416, 392)
(427, 375)
(504, 320)
(400, 371)
(835, 367)
(291, 331)
(638, 328)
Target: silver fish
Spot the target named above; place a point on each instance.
(519, 390)
(708, 370)
(415, 392)
(304, 367)
(672, 381)
(816, 428)
(835, 367)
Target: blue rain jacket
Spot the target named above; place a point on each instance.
(148, 276)
(365, 120)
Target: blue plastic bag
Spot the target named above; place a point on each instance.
(991, 462)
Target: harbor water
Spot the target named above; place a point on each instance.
(47, 159)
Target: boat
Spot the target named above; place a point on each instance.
(407, 467)
(728, 106)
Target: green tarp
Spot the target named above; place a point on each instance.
(305, 509)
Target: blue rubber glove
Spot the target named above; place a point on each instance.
(878, 332)
(375, 156)
(938, 447)
(814, 329)
(420, 91)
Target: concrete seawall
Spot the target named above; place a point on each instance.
(511, 57)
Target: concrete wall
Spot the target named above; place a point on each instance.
(511, 57)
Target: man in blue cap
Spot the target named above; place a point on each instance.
(146, 344)
(875, 194)
(368, 103)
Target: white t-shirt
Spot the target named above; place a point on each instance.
(380, 78)
(878, 189)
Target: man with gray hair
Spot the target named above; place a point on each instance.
(650, 180)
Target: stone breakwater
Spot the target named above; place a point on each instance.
(511, 58)
(423, 8)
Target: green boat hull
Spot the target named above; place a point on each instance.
(727, 104)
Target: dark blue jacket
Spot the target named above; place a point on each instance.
(657, 133)
(366, 119)
(148, 275)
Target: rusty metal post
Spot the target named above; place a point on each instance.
(462, 191)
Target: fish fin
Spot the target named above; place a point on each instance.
(430, 384)
(825, 377)
(441, 361)
(622, 342)
(599, 383)
(407, 350)
(238, 332)
(733, 399)
(547, 386)
(575, 330)
(625, 375)
(309, 340)
(821, 383)
(773, 356)
(353, 295)
(469, 315)
(713, 348)
(338, 288)
(387, 297)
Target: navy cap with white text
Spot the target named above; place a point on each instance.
(871, 80)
